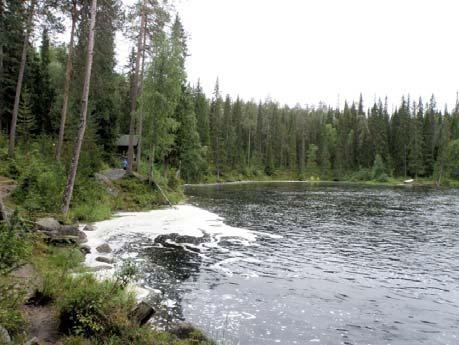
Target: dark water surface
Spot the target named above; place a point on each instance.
(331, 264)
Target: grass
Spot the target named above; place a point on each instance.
(90, 311)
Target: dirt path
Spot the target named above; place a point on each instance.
(43, 323)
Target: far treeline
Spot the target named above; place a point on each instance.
(182, 132)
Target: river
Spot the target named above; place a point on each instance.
(298, 263)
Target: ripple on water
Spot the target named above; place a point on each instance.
(298, 263)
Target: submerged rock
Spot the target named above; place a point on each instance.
(104, 248)
(85, 249)
(89, 227)
(105, 260)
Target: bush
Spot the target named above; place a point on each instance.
(11, 300)
(14, 246)
(383, 178)
(361, 175)
(95, 309)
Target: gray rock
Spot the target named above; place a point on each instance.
(109, 186)
(72, 230)
(105, 260)
(57, 240)
(104, 248)
(89, 227)
(142, 313)
(187, 331)
(48, 224)
(85, 249)
(4, 336)
(33, 341)
(100, 268)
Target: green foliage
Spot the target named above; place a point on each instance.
(14, 245)
(94, 308)
(41, 184)
(11, 301)
(378, 171)
(453, 159)
(126, 273)
(312, 169)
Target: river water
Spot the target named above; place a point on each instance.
(295, 263)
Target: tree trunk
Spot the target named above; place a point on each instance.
(135, 91)
(17, 98)
(248, 151)
(140, 127)
(84, 110)
(68, 75)
(151, 162)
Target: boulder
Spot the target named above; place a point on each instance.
(104, 248)
(186, 330)
(105, 260)
(72, 230)
(33, 341)
(109, 186)
(4, 336)
(48, 224)
(142, 313)
(85, 249)
(57, 240)
(89, 227)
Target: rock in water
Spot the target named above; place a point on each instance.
(104, 260)
(104, 248)
(71, 230)
(85, 249)
(89, 227)
(4, 336)
(142, 313)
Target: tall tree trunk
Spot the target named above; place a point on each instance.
(151, 162)
(84, 110)
(2, 40)
(248, 151)
(68, 75)
(135, 90)
(140, 126)
(17, 97)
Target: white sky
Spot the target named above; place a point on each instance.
(306, 51)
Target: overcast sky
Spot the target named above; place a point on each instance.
(307, 51)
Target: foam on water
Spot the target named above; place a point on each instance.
(184, 220)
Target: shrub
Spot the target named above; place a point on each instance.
(94, 309)
(14, 246)
(378, 169)
(11, 300)
(361, 175)
(383, 178)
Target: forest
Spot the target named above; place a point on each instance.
(180, 128)
(64, 106)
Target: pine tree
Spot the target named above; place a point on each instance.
(26, 120)
(217, 138)
(312, 168)
(190, 153)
